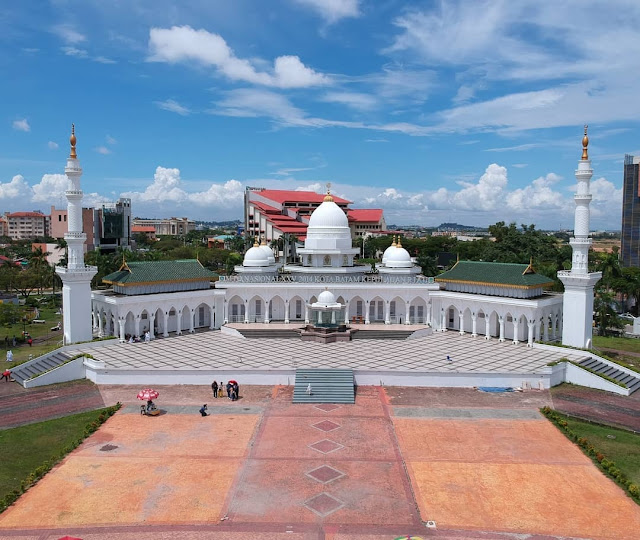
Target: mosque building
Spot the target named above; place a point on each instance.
(507, 302)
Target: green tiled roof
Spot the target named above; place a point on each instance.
(137, 273)
(493, 273)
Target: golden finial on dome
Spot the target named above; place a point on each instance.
(328, 197)
(255, 242)
(264, 241)
(585, 143)
(399, 244)
(72, 140)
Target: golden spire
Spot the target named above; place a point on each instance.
(328, 197)
(255, 242)
(72, 140)
(394, 241)
(399, 244)
(585, 143)
(264, 241)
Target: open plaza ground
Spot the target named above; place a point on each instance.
(479, 465)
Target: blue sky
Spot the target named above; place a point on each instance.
(434, 111)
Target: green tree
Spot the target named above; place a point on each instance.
(606, 316)
(9, 313)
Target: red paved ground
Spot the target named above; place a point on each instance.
(269, 482)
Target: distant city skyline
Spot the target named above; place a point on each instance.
(449, 111)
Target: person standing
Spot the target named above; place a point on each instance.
(9, 355)
(214, 387)
(221, 389)
(6, 375)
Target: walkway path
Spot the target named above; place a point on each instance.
(480, 465)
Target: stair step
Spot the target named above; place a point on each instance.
(327, 386)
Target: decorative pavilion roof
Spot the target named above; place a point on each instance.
(143, 272)
(521, 276)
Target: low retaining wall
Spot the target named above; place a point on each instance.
(66, 372)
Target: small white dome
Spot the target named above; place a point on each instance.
(326, 297)
(255, 256)
(328, 214)
(387, 252)
(399, 258)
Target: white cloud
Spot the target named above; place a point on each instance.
(103, 150)
(333, 10)
(376, 140)
(74, 51)
(184, 44)
(52, 145)
(172, 106)
(286, 171)
(316, 187)
(103, 60)
(68, 33)
(166, 188)
(110, 140)
(538, 195)
(17, 188)
(485, 195)
(352, 99)
(50, 189)
(21, 125)
(606, 203)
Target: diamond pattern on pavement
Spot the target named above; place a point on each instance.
(323, 504)
(326, 425)
(326, 446)
(327, 407)
(325, 474)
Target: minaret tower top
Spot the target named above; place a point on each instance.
(72, 140)
(585, 144)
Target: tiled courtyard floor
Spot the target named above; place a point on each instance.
(480, 465)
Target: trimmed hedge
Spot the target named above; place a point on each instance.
(605, 465)
(43, 469)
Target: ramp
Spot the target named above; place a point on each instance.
(327, 386)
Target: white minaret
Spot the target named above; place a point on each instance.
(76, 277)
(577, 303)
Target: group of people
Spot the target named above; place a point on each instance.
(233, 390)
(137, 339)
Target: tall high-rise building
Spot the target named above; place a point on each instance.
(630, 248)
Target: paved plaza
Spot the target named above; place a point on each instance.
(480, 465)
(216, 350)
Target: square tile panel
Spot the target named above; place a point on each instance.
(326, 425)
(326, 446)
(327, 407)
(323, 504)
(325, 474)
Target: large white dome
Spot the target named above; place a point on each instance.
(389, 251)
(328, 214)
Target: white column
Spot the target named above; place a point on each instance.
(165, 326)
(225, 311)
(306, 313)
(501, 321)
(192, 314)
(94, 320)
(179, 323)
(474, 325)
(516, 329)
(266, 311)
(554, 322)
(387, 312)
(136, 326)
(121, 325)
(286, 312)
(443, 320)
(246, 312)
(152, 325)
(460, 323)
(100, 325)
(487, 326)
(429, 320)
(407, 319)
(346, 312)
(212, 317)
(366, 313)
(333, 317)
(538, 330)
(530, 333)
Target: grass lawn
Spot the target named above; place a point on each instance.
(624, 450)
(620, 343)
(25, 448)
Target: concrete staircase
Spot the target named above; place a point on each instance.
(382, 334)
(275, 333)
(39, 365)
(327, 386)
(632, 382)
